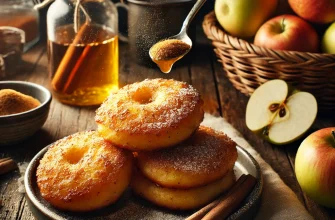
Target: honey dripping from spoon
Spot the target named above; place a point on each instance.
(166, 52)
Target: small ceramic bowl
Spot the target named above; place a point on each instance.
(17, 127)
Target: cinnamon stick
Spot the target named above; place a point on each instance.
(203, 211)
(232, 202)
(4, 159)
(66, 70)
(68, 86)
(6, 165)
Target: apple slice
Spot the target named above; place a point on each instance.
(258, 114)
(279, 113)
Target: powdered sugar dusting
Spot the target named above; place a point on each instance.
(170, 102)
(205, 152)
(75, 165)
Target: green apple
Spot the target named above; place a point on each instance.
(315, 166)
(328, 40)
(280, 113)
(242, 18)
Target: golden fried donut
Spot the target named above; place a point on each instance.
(203, 158)
(83, 172)
(151, 114)
(180, 199)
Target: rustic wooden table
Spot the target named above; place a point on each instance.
(203, 72)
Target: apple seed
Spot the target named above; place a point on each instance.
(282, 112)
(274, 107)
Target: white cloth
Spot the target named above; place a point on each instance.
(278, 200)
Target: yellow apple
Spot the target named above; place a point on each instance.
(328, 40)
(242, 18)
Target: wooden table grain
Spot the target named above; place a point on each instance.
(203, 72)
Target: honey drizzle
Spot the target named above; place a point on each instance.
(165, 53)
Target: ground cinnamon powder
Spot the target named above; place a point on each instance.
(12, 102)
(169, 49)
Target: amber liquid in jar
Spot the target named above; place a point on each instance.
(84, 66)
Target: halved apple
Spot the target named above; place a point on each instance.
(280, 113)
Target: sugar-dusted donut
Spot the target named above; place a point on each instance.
(83, 172)
(203, 158)
(180, 199)
(150, 115)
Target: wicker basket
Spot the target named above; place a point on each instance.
(247, 66)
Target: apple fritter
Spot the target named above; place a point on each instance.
(83, 172)
(151, 114)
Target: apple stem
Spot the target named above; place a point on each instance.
(283, 25)
(333, 133)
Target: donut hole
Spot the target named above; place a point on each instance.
(143, 96)
(74, 154)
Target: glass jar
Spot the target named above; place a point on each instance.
(21, 14)
(83, 50)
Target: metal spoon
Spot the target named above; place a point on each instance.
(182, 34)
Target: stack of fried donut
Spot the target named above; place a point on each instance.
(83, 172)
(150, 115)
(178, 163)
(188, 175)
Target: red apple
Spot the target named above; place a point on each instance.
(287, 32)
(315, 166)
(318, 11)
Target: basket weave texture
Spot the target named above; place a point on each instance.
(248, 66)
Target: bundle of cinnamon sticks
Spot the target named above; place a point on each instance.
(225, 205)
